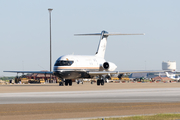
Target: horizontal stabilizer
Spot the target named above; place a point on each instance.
(124, 34)
(93, 34)
(107, 34)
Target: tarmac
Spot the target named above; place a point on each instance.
(50, 101)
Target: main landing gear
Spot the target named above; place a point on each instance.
(100, 82)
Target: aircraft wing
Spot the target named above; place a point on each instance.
(124, 72)
(39, 72)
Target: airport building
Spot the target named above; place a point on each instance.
(170, 65)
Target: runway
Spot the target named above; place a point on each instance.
(50, 101)
(94, 96)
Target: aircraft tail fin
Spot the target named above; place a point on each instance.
(103, 41)
(167, 74)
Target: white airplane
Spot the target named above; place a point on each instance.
(173, 75)
(70, 67)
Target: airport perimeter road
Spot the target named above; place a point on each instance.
(97, 96)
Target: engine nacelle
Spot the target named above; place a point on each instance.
(109, 66)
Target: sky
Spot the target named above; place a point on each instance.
(25, 36)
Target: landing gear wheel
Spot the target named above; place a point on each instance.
(98, 82)
(66, 82)
(70, 82)
(102, 82)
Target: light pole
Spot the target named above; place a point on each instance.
(50, 38)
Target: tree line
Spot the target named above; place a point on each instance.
(7, 78)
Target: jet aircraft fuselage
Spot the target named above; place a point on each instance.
(76, 66)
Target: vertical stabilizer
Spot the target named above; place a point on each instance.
(102, 45)
(167, 74)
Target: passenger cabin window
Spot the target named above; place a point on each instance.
(63, 63)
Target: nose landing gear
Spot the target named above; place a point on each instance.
(68, 81)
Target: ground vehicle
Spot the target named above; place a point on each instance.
(21, 79)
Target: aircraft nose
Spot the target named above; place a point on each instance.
(55, 68)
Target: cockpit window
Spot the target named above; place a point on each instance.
(63, 63)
